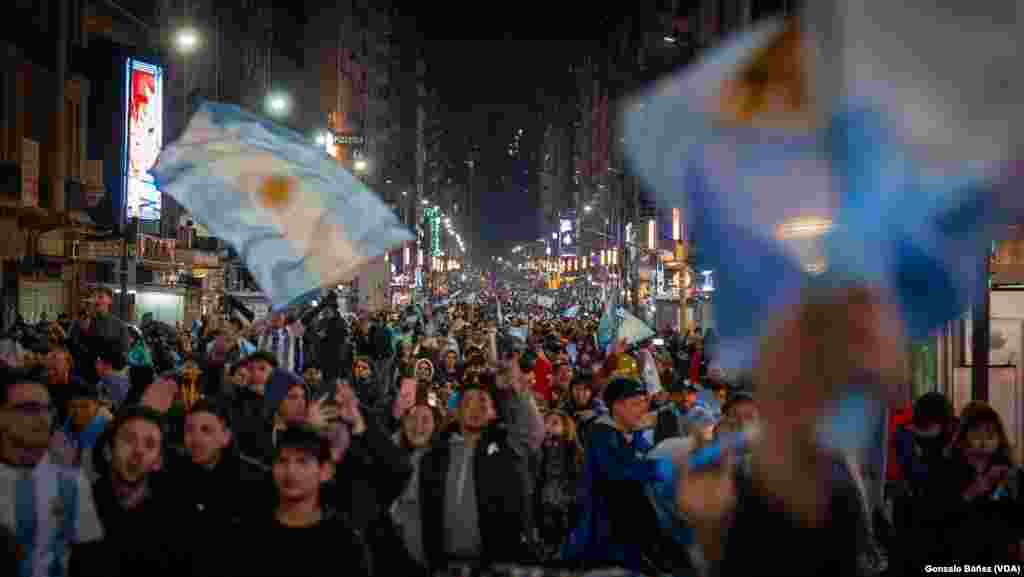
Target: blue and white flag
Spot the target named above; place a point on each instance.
(298, 220)
(778, 205)
(608, 327)
(571, 312)
(632, 329)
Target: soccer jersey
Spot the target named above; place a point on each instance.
(48, 508)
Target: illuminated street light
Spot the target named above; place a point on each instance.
(587, 208)
(424, 201)
(359, 165)
(670, 39)
(278, 104)
(187, 40)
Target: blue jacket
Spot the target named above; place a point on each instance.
(616, 520)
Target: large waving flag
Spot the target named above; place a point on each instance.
(298, 219)
(778, 201)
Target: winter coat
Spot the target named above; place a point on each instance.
(266, 548)
(498, 472)
(617, 521)
(152, 539)
(224, 497)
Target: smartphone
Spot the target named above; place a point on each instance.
(659, 342)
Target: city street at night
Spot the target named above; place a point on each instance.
(685, 288)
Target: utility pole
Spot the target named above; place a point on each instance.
(60, 151)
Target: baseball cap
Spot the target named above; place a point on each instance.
(623, 388)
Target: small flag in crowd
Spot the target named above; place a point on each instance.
(632, 329)
(297, 218)
(571, 312)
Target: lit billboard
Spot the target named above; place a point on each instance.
(144, 119)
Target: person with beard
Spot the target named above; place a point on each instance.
(141, 513)
(43, 535)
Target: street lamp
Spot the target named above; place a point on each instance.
(186, 40)
(360, 165)
(587, 208)
(278, 104)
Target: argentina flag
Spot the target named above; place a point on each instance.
(298, 220)
(780, 196)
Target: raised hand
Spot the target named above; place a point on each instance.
(160, 395)
(316, 414)
(350, 413)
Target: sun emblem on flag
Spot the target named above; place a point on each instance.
(276, 191)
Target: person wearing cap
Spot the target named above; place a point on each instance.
(672, 417)
(73, 444)
(617, 520)
(301, 535)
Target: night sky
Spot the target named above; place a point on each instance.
(490, 62)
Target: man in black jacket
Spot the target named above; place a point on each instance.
(220, 486)
(471, 483)
(302, 536)
(370, 473)
(139, 510)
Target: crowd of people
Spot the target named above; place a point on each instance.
(437, 443)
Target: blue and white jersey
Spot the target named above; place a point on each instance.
(48, 508)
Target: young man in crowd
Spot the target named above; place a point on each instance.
(47, 508)
(613, 485)
(583, 406)
(301, 537)
(140, 511)
(227, 483)
(248, 406)
(283, 342)
(110, 361)
(473, 481)
(74, 443)
(673, 416)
